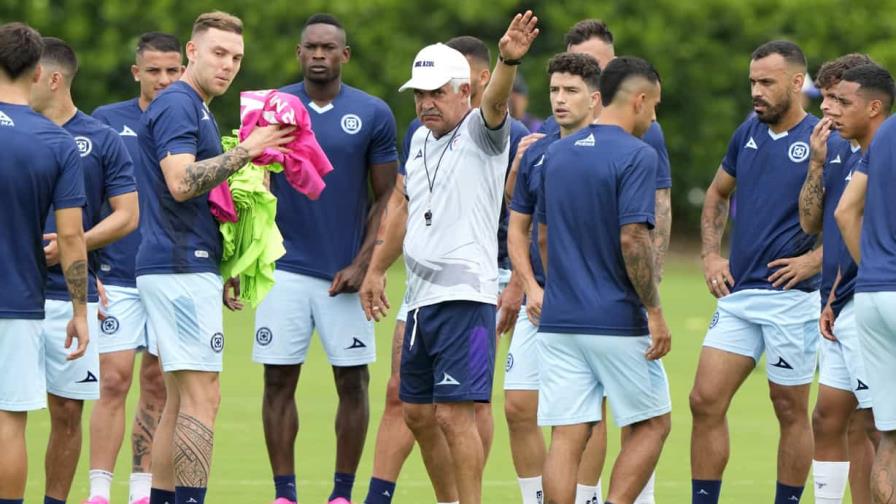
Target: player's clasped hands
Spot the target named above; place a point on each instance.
(717, 275)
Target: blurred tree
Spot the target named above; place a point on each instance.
(700, 47)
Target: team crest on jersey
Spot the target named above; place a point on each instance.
(509, 364)
(798, 152)
(85, 146)
(109, 325)
(714, 321)
(264, 336)
(351, 123)
(217, 342)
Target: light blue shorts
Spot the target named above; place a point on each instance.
(840, 363)
(23, 382)
(577, 370)
(184, 315)
(783, 324)
(78, 379)
(298, 304)
(521, 367)
(124, 327)
(876, 318)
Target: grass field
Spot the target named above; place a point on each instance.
(241, 473)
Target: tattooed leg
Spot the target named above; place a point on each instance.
(149, 412)
(883, 475)
(194, 433)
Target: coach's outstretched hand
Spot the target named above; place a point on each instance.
(373, 296)
(660, 336)
(519, 36)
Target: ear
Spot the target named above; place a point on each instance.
(346, 54)
(38, 70)
(192, 50)
(56, 80)
(638, 102)
(875, 108)
(135, 71)
(595, 100)
(484, 76)
(798, 79)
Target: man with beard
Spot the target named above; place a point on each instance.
(766, 297)
(328, 247)
(178, 261)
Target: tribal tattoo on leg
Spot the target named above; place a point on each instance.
(192, 451)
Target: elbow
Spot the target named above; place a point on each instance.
(842, 216)
(810, 226)
(133, 220)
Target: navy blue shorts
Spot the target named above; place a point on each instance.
(449, 353)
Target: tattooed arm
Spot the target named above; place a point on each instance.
(73, 259)
(187, 178)
(663, 230)
(386, 250)
(812, 193)
(640, 264)
(712, 227)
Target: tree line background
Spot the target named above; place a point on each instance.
(700, 47)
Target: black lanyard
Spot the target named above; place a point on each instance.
(431, 182)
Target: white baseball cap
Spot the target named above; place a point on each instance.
(434, 66)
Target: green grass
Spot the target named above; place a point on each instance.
(241, 473)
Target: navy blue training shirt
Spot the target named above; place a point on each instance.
(877, 269)
(355, 131)
(770, 170)
(40, 170)
(117, 260)
(176, 237)
(526, 193)
(108, 172)
(594, 182)
(517, 131)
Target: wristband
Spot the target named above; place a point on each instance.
(510, 62)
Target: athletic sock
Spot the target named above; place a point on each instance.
(285, 487)
(50, 500)
(342, 486)
(12, 501)
(139, 486)
(830, 481)
(159, 496)
(705, 491)
(786, 494)
(531, 490)
(646, 496)
(586, 494)
(380, 491)
(100, 483)
(189, 495)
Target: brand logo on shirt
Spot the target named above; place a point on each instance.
(351, 123)
(202, 254)
(205, 116)
(419, 154)
(849, 176)
(109, 325)
(125, 131)
(105, 267)
(540, 161)
(264, 336)
(751, 144)
(836, 160)
(90, 378)
(5, 120)
(588, 141)
(509, 364)
(798, 152)
(455, 142)
(217, 342)
(85, 146)
(448, 380)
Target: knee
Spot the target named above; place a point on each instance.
(788, 409)
(705, 404)
(393, 403)
(825, 422)
(418, 416)
(280, 382)
(114, 385)
(455, 420)
(65, 415)
(351, 382)
(519, 412)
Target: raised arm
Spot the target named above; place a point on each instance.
(512, 47)
(812, 193)
(187, 178)
(850, 212)
(712, 228)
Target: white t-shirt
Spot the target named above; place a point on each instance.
(453, 258)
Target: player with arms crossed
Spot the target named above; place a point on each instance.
(123, 331)
(766, 294)
(52, 180)
(179, 256)
(448, 227)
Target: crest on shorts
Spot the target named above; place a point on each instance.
(798, 152)
(509, 364)
(263, 336)
(714, 321)
(109, 325)
(217, 342)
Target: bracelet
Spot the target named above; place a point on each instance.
(509, 62)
